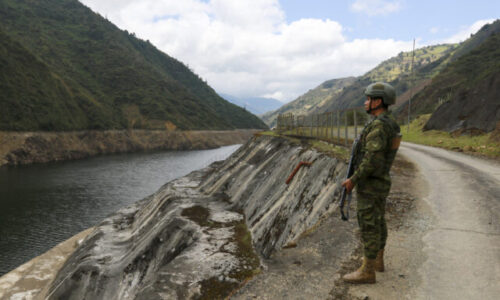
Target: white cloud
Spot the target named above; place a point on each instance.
(466, 31)
(376, 7)
(246, 47)
(434, 30)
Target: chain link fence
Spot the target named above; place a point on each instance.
(336, 126)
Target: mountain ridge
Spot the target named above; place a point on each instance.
(119, 81)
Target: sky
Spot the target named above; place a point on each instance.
(282, 48)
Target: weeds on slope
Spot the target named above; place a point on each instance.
(480, 145)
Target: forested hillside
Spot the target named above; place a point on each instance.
(33, 97)
(70, 69)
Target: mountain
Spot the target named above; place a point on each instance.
(348, 92)
(452, 80)
(311, 100)
(33, 97)
(466, 92)
(436, 79)
(256, 105)
(71, 69)
(396, 71)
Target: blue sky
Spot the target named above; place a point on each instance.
(281, 49)
(424, 19)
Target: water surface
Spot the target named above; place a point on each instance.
(43, 205)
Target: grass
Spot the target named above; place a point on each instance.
(322, 145)
(480, 145)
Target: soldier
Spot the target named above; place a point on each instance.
(379, 142)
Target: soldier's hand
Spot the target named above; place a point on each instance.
(348, 185)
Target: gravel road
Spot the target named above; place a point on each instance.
(449, 247)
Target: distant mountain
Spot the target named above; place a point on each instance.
(71, 69)
(431, 80)
(348, 92)
(256, 105)
(311, 100)
(395, 71)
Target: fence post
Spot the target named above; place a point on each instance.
(338, 126)
(322, 122)
(278, 124)
(316, 125)
(346, 125)
(330, 125)
(355, 125)
(310, 126)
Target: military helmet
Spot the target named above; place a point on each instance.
(381, 90)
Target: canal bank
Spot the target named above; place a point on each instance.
(157, 246)
(20, 148)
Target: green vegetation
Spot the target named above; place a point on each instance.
(70, 68)
(399, 67)
(311, 100)
(475, 63)
(33, 97)
(322, 145)
(478, 68)
(345, 93)
(214, 288)
(476, 145)
(429, 63)
(331, 149)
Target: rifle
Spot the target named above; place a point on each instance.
(350, 171)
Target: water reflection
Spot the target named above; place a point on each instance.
(42, 205)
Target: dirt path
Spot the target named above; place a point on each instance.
(449, 244)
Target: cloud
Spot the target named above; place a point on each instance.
(375, 7)
(246, 48)
(466, 31)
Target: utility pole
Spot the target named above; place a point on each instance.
(412, 85)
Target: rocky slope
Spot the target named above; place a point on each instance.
(18, 148)
(189, 239)
(466, 92)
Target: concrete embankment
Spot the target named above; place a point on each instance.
(194, 237)
(204, 235)
(39, 147)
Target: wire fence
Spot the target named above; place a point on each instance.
(336, 126)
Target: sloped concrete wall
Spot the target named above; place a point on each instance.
(189, 239)
(253, 180)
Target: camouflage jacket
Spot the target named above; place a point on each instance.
(376, 152)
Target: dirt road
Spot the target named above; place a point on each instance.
(449, 247)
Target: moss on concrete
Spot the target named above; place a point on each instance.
(197, 214)
(219, 287)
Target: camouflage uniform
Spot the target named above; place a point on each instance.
(375, 154)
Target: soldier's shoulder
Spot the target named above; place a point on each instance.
(378, 123)
(388, 120)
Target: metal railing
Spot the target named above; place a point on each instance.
(336, 126)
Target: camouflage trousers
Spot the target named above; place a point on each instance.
(371, 211)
